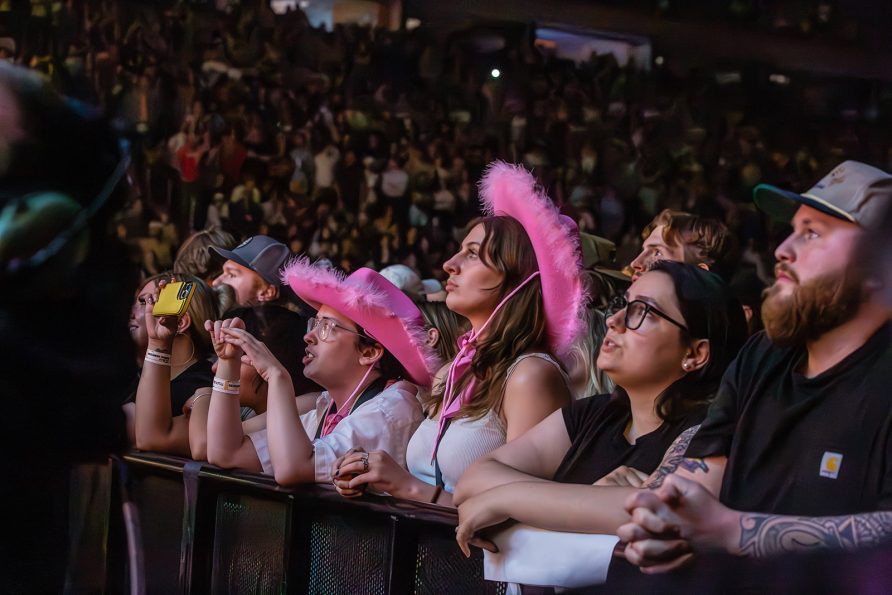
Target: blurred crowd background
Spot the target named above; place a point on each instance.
(356, 132)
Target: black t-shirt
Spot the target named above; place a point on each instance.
(807, 446)
(596, 426)
(182, 387)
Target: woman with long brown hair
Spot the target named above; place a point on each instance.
(517, 281)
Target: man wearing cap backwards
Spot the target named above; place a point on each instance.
(366, 346)
(252, 269)
(800, 433)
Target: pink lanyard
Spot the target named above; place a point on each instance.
(330, 421)
(452, 403)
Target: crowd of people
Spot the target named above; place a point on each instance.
(365, 146)
(690, 451)
(404, 281)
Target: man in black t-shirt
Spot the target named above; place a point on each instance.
(802, 424)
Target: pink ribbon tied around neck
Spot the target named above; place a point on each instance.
(467, 344)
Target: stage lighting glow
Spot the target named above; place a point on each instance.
(496, 73)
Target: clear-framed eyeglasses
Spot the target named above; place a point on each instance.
(636, 312)
(324, 326)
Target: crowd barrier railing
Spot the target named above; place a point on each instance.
(206, 530)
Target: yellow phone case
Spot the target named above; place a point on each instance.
(174, 299)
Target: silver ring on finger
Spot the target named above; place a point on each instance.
(365, 464)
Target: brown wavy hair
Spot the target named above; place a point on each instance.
(703, 240)
(518, 328)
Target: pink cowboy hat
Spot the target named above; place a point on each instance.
(385, 313)
(512, 191)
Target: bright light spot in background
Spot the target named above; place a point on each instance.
(659, 60)
(730, 77)
(496, 73)
(779, 79)
(303, 4)
(412, 23)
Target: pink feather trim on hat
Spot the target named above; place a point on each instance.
(359, 299)
(511, 190)
(300, 267)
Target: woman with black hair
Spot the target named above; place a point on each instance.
(668, 342)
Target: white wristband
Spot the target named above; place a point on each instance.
(228, 387)
(159, 358)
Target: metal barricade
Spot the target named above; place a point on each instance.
(206, 530)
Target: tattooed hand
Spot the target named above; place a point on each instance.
(672, 521)
(681, 517)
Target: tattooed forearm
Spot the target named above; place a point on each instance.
(763, 535)
(674, 458)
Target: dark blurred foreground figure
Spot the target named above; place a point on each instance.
(64, 292)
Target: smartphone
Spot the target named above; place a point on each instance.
(174, 299)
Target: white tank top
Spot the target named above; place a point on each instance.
(464, 441)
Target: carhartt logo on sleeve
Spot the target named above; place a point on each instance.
(830, 464)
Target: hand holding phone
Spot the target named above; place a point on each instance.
(174, 299)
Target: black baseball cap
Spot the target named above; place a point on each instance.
(262, 254)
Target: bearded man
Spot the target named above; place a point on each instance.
(800, 434)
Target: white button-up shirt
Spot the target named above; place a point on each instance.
(385, 422)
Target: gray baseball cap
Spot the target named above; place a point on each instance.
(853, 191)
(262, 254)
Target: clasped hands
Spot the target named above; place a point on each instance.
(231, 341)
(670, 523)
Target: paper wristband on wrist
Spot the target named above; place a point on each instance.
(229, 387)
(157, 357)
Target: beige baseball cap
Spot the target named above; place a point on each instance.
(852, 191)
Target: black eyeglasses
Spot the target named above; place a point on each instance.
(636, 311)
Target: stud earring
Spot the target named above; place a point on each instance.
(686, 365)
